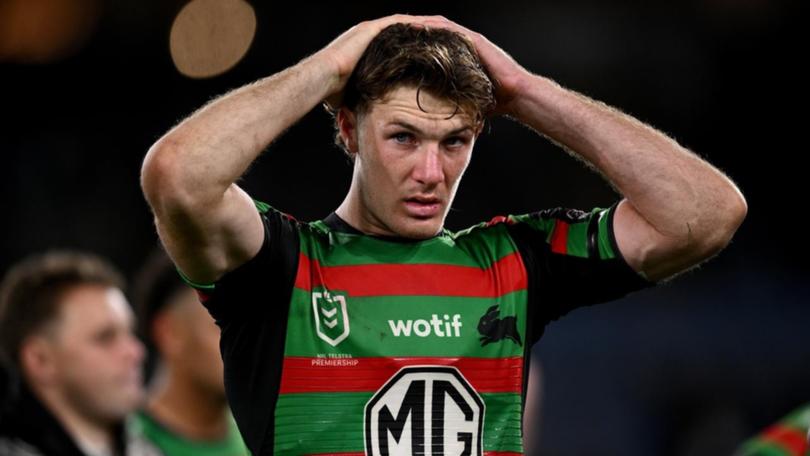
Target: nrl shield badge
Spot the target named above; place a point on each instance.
(331, 317)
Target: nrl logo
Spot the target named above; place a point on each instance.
(331, 317)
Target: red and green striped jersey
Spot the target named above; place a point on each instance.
(788, 437)
(170, 443)
(340, 343)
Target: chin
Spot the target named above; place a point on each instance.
(419, 229)
(131, 395)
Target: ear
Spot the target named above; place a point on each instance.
(347, 125)
(165, 333)
(37, 359)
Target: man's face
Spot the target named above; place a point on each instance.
(190, 344)
(409, 162)
(96, 357)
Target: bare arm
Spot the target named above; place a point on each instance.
(678, 210)
(207, 223)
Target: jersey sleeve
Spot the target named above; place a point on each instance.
(572, 259)
(269, 273)
(250, 305)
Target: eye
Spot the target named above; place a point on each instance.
(455, 142)
(105, 337)
(402, 137)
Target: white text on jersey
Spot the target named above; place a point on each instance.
(423, 328)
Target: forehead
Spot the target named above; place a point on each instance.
(426, 112)
(87, 308)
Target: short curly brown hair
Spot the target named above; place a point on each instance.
(442, 62)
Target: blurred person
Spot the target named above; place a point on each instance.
(66, 333)
(788, 437)
(186, 412)
(376, 330)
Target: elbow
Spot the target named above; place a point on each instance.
(705, 236)
(163, 179)
(724, 221)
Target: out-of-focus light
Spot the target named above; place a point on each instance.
(209, 37)
(42, 31)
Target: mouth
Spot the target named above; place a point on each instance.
(423, 207)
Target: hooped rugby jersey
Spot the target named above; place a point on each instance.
(340, 343)
(790, 436)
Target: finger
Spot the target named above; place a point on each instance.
(442, 22)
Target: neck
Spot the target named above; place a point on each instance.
(91, 434)
(187, 409)
(350, 210)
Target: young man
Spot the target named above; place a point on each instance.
(66, 330)
(186, 412)
(376, 330)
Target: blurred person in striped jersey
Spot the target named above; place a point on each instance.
(790, 436)
(186, 413)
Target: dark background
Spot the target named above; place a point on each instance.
(689, 368)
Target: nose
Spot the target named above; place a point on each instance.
(428, 169)
(134, 348)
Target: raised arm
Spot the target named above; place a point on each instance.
(206, 222)
(678, 210)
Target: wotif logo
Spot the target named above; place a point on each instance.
(441, 327)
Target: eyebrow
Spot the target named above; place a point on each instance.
(413, 128)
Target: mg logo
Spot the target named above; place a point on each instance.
(331, 318)
(425, 410)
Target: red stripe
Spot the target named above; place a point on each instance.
(791, 439)
(310, 375)
(559, 238)
(504, 276)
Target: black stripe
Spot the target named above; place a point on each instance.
(593, 235)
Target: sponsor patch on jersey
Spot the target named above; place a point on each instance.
(425, 410)
(445, 326)
(331, 316)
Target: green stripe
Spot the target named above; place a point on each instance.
(370, 332)
(333, 423)
(174, 444)
(544, 225)
(577, 244)
(198, 286)
(605, 246)
(262, 207)
(477, 248)
(798, 419)
(763, 448)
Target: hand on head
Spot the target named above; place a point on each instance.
(345, 51)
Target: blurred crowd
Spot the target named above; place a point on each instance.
(86, 373)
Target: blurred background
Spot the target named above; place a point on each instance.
(689, 368)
